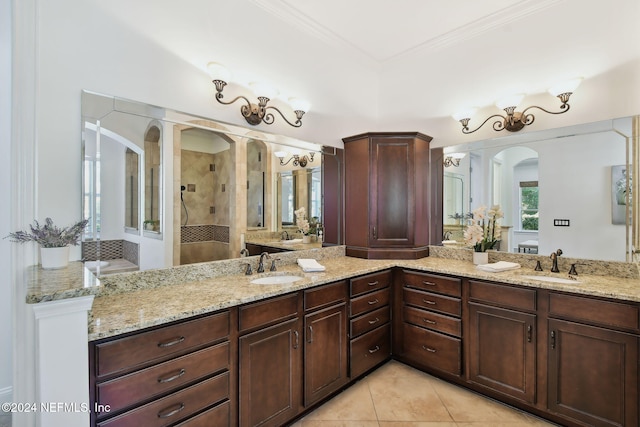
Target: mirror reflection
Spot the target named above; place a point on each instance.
(557, 190)
(164, 188)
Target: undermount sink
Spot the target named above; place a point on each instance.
(551, 279)
(291, 241)
(275, 280)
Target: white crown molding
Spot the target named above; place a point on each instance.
(284, 11)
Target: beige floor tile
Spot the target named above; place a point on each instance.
(401, 393)
(467, 406)
(416, 424)
(334, 423)
(353, 404)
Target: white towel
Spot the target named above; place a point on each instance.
(310, 265)
(499, 266)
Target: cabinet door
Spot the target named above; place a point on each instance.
(392, 192)
(270, 375)
(502, 350)
(325, 365)
(593, 374)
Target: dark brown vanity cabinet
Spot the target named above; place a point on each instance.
(165, 375)
(270, 361)
(593, 360)
(387, 195)
(501, 339)
(325, 346)
(429, 326)
(369, 326)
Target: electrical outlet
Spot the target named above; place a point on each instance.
(561, 223)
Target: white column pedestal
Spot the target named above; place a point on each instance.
(62, 362)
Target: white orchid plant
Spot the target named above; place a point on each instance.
(483, 231)
(301, 221)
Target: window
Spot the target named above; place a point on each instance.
(529, 205)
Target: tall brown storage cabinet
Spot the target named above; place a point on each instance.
(390, 179)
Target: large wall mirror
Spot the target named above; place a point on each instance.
(164, 188)
(568, 188)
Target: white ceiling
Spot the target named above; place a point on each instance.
(383, 30)
(369, 65)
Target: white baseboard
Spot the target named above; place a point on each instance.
(6, 394)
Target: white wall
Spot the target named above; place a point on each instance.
(5, 207)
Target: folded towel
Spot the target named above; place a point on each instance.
(310, 265)
(499, 266)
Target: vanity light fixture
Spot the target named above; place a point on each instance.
(453, 159)
(514, 120)
(254, 114)
(297, 159)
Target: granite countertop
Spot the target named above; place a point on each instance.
(131, 301)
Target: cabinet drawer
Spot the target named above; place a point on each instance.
(433, 283)
(368, 321)
(142, 385)
(503, 295)
(369, 302)
(369, 350)
(599, 312)
(434, 321)
(370, 283)
(324, 296)
(267, 312)
(176, 406)
(432, 349)
(217, 416)
(433, 302)
(146, 348)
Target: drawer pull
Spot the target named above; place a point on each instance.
(373, 350)
(428, 283)
(163, 380)
(375, 301)
(169, 412)
(426, 301)
(429, 349)
(431, 322)
(374, 321)
(171, 343)
(373, 283)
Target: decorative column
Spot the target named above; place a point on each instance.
(62, 362)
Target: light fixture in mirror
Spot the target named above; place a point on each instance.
(453, 159)
(298, 160)
(538, 177)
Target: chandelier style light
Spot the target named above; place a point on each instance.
(514, 120)
(297, 159)
(253, 113)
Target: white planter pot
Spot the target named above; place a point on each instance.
(480, 258)
(54, 258)
(306, 239)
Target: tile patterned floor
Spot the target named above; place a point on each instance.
(397, 395)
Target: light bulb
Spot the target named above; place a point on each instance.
(568, 86)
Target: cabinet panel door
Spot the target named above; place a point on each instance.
(325, 365)
(502, 350)
(270, 375)
(593, 374)
(392, 202)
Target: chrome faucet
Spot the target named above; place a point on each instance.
(284, 235)
(447, 235)
(244, 252)
(261, 263)
(554, 258)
